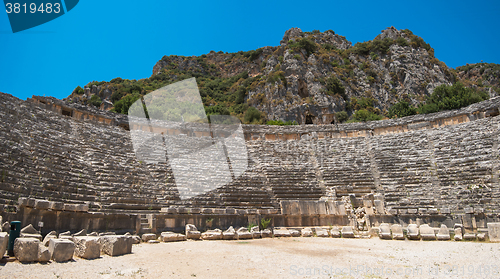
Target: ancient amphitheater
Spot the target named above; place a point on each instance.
(72, 168)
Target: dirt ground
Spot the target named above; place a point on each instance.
(280, 258)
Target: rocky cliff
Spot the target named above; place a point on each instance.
(308, 78)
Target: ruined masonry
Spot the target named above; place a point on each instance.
(73, 167)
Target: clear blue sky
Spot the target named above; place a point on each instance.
(101, 40)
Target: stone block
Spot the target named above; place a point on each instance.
(93, 234)
(412, 211)
(62, 250)
(281, 232)
(148, 236)
(172, 237)
(384, 231)
(229, 234)
(47, 238)
(29, 235)
(29, 229)
(397, 232)
(212, 235)
(331, 208)
(207, 210)
(266, 233)
(347, 232)
(255, 232)
(306, 232)
(243, 233)
(153, 241)
(445, 210)
(43, 254)
(443, 233)
(81, 233)
(458, 234)
(469, 210)
(136, 239)
(219, 211)
(494, 232)
(83, 207)
(230, 211)
(87, 247)
(321, 232)
(115, 245)
(42, 204)
(294, 233)
(335, 232)
(22, 202)
(182, 210)
(481, 236)
(422, 210)
(432, 211)
(192, 232)
(392, 211)
(70, 207)
(469, 236)
(26, 249)
(172, 210)
(340, 208)
(379, 206)
(59, 206)
(412, 232)
(4, 241)
(194, 210)
(427, 233)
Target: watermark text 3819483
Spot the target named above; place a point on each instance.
(28, 14)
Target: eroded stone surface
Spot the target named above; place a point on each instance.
(397, 232)
(192, 232)
(87, 247)
(62, 250)
(26, 249)
(172, 237)
(115, 245)
(215, 234)
(385, 231)
(427, 233)
(413, 233)
(494, 232)
(443, 233)
(347, 232)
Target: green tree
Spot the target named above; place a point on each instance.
(401, 109)
(124, 104)
(342, 116)
(78, 90)
(252, 115)
(95, 101)
(447, 97)
(335, 87)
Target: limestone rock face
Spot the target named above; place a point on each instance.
(116, 245)
(62, 250)
(26, 249)
(87, 247)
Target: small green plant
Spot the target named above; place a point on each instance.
(297, 56)
(150, 207)
(265, 222)
(250, 226)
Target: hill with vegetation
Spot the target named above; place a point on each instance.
(312, 78)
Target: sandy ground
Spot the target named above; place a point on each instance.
(280, 258)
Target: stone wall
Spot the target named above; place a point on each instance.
(436, 166)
